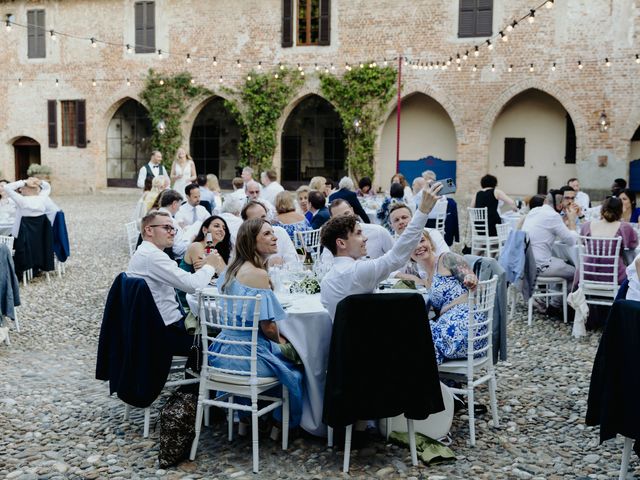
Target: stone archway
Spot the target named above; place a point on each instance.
(27, 151)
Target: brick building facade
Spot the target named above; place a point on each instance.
(447, 114)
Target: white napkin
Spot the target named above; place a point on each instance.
(578, 301)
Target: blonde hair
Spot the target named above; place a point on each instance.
(425, 234)
(303, 189)
(317, 183)
(212, 183)
(284, 203)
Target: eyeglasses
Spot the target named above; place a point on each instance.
(167, 228)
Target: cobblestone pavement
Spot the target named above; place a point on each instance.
(57, 421)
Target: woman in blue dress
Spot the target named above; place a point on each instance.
(247, 276)
(449, 279)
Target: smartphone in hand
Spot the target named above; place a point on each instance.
(448, 186)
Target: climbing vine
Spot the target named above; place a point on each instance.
(360, 97)
(167, 98)
(256, 106)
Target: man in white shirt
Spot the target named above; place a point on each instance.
(238, 190)
(350, 274)
(399, 217)
(252, 190)
(191, 211)
(379, 240)
(231, 209)
(151, 169)
(271, 187)
(545, 226)
(31, 198)
(247, 175)
(170, 204)
(582, 198)
(163, 276)
(206, 195)
(286, 250)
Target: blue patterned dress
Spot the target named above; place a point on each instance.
(450, 330)
(271, 362)
(292, 228)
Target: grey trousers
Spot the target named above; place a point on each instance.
(559, 268)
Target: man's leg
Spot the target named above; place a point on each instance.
(180, 342)
(559, 268)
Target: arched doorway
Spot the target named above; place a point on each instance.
(128, 144)
(427, 140)
(532, 136)
(214, 141)
(27, 151)
(312, 142)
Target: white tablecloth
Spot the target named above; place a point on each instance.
(5, 228)
(511, 218)
(568, 253)
(373, 218)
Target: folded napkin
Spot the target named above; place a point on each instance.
(429, 450)
(405, 284)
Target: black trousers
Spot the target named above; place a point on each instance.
(180, 342)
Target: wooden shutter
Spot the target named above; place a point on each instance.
(514, 152)
(53, 123)
(36, 44)
(81, 124)
(145, 25)
(325, 22)
(484, 18)
(467, 18)
(570, 147)
(287, 23)
(150, 23)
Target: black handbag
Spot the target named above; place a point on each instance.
(177, 428)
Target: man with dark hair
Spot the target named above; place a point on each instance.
(618, 185)
(350, 275)
(317, 206)
(170, 201)
(151, 169)
(569, 204)
(191, 211)
(582, 198)
(271, 186)
(163, 276)
(488, 181)
(206, 195)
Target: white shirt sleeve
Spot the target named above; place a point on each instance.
(561, 231)
(286, 249)
(11, 188)
(142, 174)
(165, 270)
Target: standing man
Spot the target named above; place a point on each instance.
(271, 186)
(582, 198)
(191, 212)
(151, 169)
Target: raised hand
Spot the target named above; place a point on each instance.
(430, 197)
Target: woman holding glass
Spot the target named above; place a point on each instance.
(247, 276)
(215, 233)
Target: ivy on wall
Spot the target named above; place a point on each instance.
(257, 105)
(167, 98)
(360, 97)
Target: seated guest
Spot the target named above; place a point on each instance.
(286, 251)
(160, 184)
(288, 218)
(318, 184)
(302, 195)
(206, 195)
(213, 185)
(157, 186)
(271, 188)
(568, 203)
(329, 188)
(317, 206)
(238, 189)
(618, 185)
(407, 197)
(582, 198)
(230, 212)
(31, 198)
(220, 242)
(350, 274)
(449, 279)
(191, 211)
(163, 276)
(253, 191)
(379, 240)
(396, 194)
(416, 186)
(633, 293)
(611, 226)
(399, 217)
(488, 197)
(170, 203)
(365, 188)
(630, 212)
(141, 207)
(347, 192)
(247, 276)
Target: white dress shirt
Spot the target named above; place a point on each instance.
(350, 277)
(181, 240)
(239, 194)
(188, 214)
(163, 276)
(233, 222)
(31, 205)
(583, 200)
(286, 249)
(544, 226)
(155, 169)
(208, 196)
(270, 192)
(634, 282)
(379, 242)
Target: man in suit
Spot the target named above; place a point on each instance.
(346, 192)
(191, 211)
(151, 169)
(318, 208)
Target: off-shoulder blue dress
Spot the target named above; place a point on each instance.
(271, 362)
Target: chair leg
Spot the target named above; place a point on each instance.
(15, 319)
(412, 442)
(24, 278)
(530, 311)
(196, 438)
(564, 301)
(387, 422)
(254, 435)
(147, 422)
(626, 454)
(471, 408)
(329, 437)
(494, 400)
(514, 297)
(347, 448)
(48, 277)
(285, 417)
(127, 411)
(230, 419)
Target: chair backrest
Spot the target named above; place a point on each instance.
(309, 240)
(503, 230)
(440, 219)
(7, 240)
(481, 307)
(238, 318)
(599, 258)
(478, 221)
(132, 236)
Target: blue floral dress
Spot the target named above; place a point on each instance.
(271, 362)
(383, 212)
(450, 330)
(292, 228)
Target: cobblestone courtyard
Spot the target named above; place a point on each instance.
(57, 421)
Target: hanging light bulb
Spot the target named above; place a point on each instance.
(362, 65)
(302, 73)
(476, 51)
(579, 65)
(299, 67)
(220, 79)
(193, 81)
(509, 28)
(94, 44)
(326, 69)
(215, 62)
(607, 62)
(333, 67)
(316, 67)
(466, 55)
(238, 64)
(553, 67)
(19, 82)
(510, 69)
(475, 67)
(603, 122)
(8, 22)
(128, 82)
(129, 49)
(275, 75)
(504, 37)
(52, 35)
(385, 63)
(57, 83)
(549, 4)
(248, 78)
(281, 66)
(449, 61)
(458, 58)
(493, 67)
(637, 58)
(489, 45)
(188, 58)
(161, 82)
(414, 66)
(260, 65)
(459, 68)
(93, 82)
(532, 16)
(160, 54)
(430, 66)
(531, 68)
(405, 61)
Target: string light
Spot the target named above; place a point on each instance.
(449, 61)
(553, 67)
(93, 82)
(160, 54)
(362, 65)
(249, 78)
(317, 67)
(193, 81)
(510, 69)
(459, 68)
(94, 44)
(128, 82)
(489, 45)
(57, 83)
(302, 73)
(637, 58)
(504, 37)
(161, 82)
(458, 58)
(129, 49)
(215, 62)
(532, 16)
(52, 35)
(476, 51)
(260, 65)
(333, 68)
(220, 80)
(466, 55)
(238, 64)
(326, 69)
(281, 66)
(8, 22)
(475, 67)
(531, 68)
(188, 58)
(299, 67)
(385, 63)
(579, 65)
(493, 67)
(549, 4)
(19, 82)
(607, 62)
(275, 75)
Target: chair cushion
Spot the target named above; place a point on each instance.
(240, 379)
